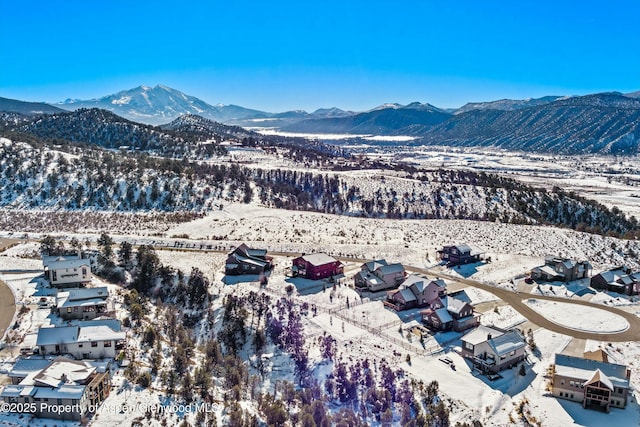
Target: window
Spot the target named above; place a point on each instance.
(561, 382)
(513, 353)
(75, 309)
(106, 344)
(468, 346)
(68, 309)
(94, 343)
(80, 345)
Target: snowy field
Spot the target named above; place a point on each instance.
(571, 315)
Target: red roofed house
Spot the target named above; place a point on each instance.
(316, 266)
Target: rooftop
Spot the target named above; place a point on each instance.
(583, 369)
(481, 334)
(318, 259)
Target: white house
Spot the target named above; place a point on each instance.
(67, 271)
(81, 342)
(379, 275)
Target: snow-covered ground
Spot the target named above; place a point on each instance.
(362, 327)
(600, 321)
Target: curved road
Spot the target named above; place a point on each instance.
(516, 300)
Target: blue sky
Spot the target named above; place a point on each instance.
(282, 55)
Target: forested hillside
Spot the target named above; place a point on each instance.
(40, 176)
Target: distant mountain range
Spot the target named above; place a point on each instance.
(161, 104)
(598, 123)
(27, 108)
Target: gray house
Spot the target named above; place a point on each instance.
(561, 269)
(379, 275)
(493, 349)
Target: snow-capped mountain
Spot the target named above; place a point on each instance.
(161, 104)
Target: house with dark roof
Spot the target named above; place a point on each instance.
(76, 387)
(67, 271)
(453, 311)
(621, 280)
(416, 292)
(316, 266)
(492, 349)
(593, 383)
(556, 269)
(244, 260)
(378, 275)
(460, 254)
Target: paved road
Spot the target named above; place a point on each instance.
(516, 300)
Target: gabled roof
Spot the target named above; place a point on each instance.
(583, 369)
(406, 295)
(506, 343)
(460, 295)
(453, 305)
(598, 376)
(318, 259)
(443, 315)
(374, 265)
(247, 251)
(248, 260)
(391, 268)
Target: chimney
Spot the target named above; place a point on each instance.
(488, 337)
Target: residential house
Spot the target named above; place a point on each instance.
(244, 260)
(64, 389)
(593, 383)
(82, 342)
(460, 254)
(620, 280)
(377, 275)
(416, 292)
(493, 349)
(67, 271)
(561, 269)
(83, 303)
(453, 311)
(316, 266)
